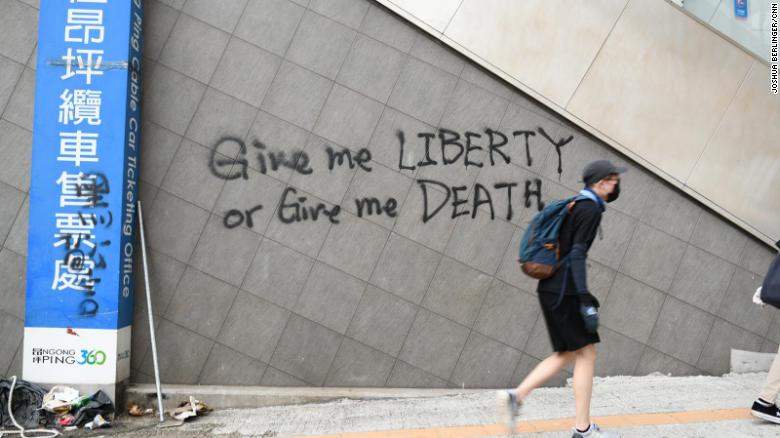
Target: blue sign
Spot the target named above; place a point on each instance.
(740, 8)
(84, 165)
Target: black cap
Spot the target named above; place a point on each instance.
(598, 170)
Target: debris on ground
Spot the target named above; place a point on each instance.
(97, 423)
(27, 400)
(136, 410)
(97, 404)
(61, 407)
(189, 409)
(186, 410)
(66, 420)
(59, 398)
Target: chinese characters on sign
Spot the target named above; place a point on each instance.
(81, 194)
(85, 29)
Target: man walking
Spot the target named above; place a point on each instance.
(569, 310)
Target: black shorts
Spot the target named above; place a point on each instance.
(565, 324)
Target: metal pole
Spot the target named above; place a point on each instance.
(151, 315)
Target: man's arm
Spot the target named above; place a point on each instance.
(586, 223)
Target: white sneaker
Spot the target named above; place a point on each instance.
(508, 408)
(594, 432)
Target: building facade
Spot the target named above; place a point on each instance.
(334, 198)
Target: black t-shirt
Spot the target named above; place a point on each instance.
(580, 226)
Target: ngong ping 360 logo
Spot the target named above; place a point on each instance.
(68, 356)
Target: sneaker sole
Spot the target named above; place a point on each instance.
(765, 417)
(504, 410)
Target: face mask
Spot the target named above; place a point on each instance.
(615, 193)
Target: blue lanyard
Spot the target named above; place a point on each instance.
(590, 194)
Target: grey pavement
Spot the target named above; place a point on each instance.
(612, 396)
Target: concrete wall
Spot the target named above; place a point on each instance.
(752, 32)
(641, 75)
(384, 299)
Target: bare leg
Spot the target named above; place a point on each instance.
(772, 386)
(585, 363)
(544, 371)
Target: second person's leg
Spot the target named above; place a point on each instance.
(772, 386)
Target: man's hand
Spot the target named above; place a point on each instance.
(590, 315)
(587, 299)
(589, 309)
(757, 298)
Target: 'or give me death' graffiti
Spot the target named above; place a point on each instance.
(489, 148)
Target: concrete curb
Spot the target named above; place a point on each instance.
(750, 362)
(228, 397)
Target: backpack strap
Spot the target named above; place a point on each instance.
(565, 262)
(563, 285)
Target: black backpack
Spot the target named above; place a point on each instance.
(770, 290)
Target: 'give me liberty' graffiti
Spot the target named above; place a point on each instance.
(489, 148)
